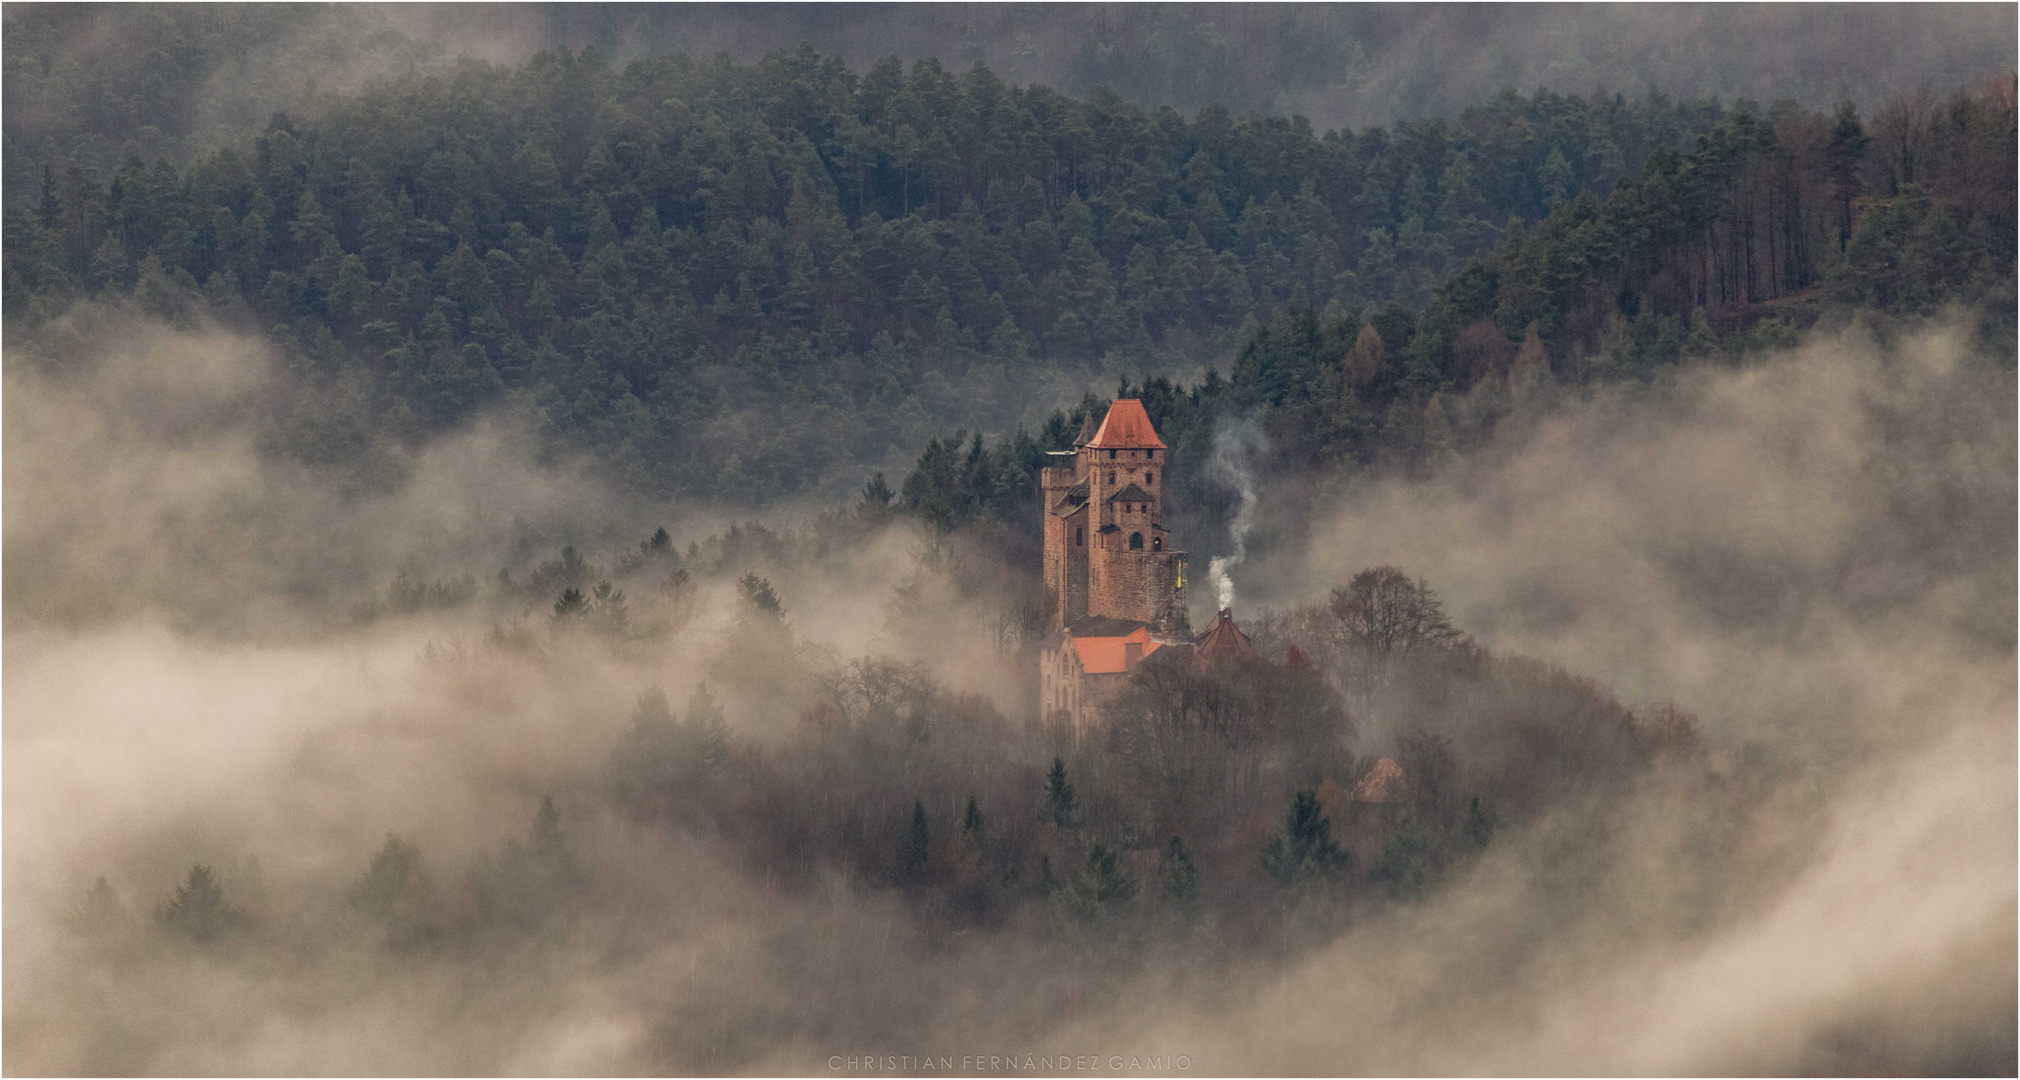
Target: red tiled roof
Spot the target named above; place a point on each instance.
(1106, 652)
(1222, 640)
(1383, 784)
(1127, 427)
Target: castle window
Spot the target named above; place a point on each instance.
(1111, 455)
(1136, 541)
(1111, 476)
(1079, 537)
(1157, 543)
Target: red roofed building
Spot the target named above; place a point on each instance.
(1377, 801)
(1222, 641)
(1117, 587)
(1126, 427)
(1382, 785)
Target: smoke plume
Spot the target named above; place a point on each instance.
(1235, 445)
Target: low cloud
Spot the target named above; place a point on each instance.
(1814, 553)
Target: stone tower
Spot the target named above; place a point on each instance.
(1106, 551)
(1117, 587)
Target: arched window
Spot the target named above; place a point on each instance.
(1111, 476)
(1157, 543)
(1135, 542)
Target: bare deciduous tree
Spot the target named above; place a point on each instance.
(1901, 134)
(1379, 617)
(1195, 736)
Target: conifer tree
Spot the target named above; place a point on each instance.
(377, 895)
(198, 910)
(1180, 885)
(526, 883)
(1059, 807)
(100, 910)
(1406, 865)
(1098, 892)
(1480, 822)
(912, 859)
(759, 598)
(1304, 850)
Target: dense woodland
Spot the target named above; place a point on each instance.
(1221, 813)
(1759, 229)
(178, 80)
(742, 282)
(887, 290)
(737, 283)
(747, 282)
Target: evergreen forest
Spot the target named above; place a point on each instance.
(737, 283)
(523, 543)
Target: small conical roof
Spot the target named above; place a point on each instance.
(1222, 640)
(1087, 430)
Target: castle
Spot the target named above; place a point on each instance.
(1115, 585)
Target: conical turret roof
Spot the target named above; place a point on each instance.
(1126, 427)
(1088, 428)
(1222, 641)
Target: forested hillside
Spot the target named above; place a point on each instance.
(744, 282)
(209, 74)
(1760, 228)
(523, 559)
(1340, 64)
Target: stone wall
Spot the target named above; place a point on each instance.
(1140, 585)
(1065, 568)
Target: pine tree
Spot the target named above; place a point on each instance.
(877, 496)
(1305, 850)
(377, 895)
(1097, 893)
(1059, 807)
(572, 605)
(1103, 879)
(100, 910)
(198, 910)
(1180, 886)
(1406, 866)
(971, 819)
(912, 859)
(1480, 822)
(759, 598)
(527, 883)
